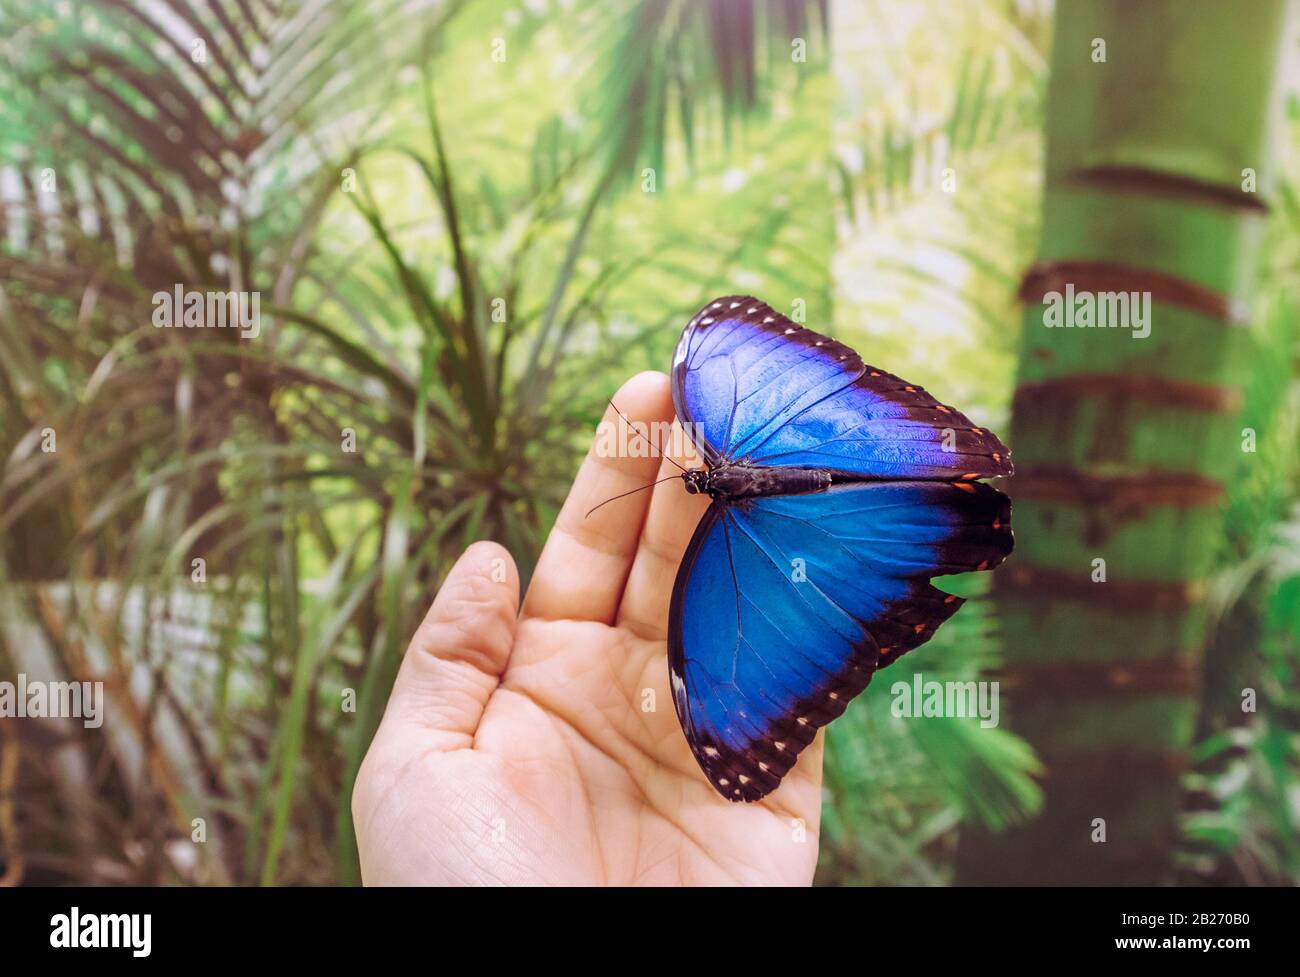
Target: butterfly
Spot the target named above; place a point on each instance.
(838, 491)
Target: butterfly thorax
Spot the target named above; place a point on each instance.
(734, 480)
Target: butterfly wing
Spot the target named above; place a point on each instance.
(784, 606)
(750, 384)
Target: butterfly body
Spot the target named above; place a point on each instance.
(838, 490)
(732, 482)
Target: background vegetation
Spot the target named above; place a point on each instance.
(460, 255)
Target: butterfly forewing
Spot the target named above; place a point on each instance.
(750, 384)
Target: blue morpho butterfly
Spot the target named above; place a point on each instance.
(838, 491)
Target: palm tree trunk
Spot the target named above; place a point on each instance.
(1123, 444)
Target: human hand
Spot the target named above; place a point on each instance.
(515, 749)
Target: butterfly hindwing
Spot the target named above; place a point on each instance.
(752, 385)
(785, 605)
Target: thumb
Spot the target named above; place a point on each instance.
(461, 649)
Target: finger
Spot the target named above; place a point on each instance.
(585, 562)
(459, 652)
(667, 530)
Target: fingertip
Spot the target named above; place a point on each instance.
(645, 395)
(460, 650)
(582, 570)
(472, 616)
(488, 559)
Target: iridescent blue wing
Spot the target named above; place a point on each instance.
(784, 606)
(751, 385)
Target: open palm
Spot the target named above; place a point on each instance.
(542, 747)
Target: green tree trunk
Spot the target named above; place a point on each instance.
(1157, 176)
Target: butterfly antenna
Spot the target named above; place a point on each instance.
(633, 492)
(659, 452)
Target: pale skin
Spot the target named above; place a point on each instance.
(516, 747)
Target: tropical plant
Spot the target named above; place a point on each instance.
(147, 146)
(248, 530)
(1124, 445)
